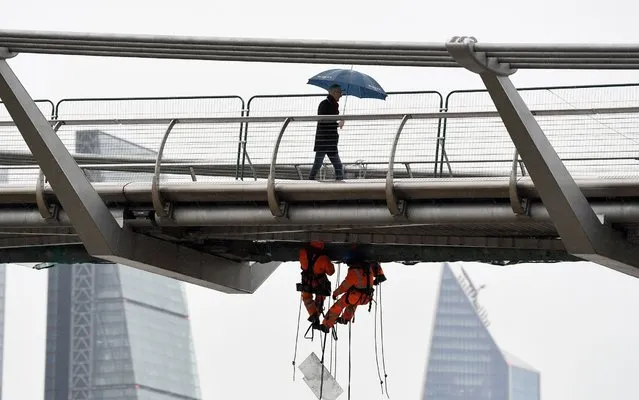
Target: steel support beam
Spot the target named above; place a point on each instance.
(580, 229)
(362, 216)
(284, 251)
(288, 251)
(529, 55)
(381, 237)
(95, 225)
(251, 193)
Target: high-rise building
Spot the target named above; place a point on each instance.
(465, 362)
(115, 332)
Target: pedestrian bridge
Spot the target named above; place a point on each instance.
(219, 183)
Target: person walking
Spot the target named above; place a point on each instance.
(326, 135)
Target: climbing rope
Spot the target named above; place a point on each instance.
(349, 360)
(297, 335)
(379, 375)
(330, 361)
(334, 337)
(381, 331)
(322, 366)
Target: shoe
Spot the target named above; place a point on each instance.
(342, 321)
(324, 328)
(314, 320)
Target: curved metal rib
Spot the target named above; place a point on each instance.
(519, 206)
(391, 197)
(277, 209)
(159, 207)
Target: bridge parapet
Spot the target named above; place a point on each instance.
(118, 139)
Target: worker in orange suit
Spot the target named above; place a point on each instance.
(315, 286)
(357, 289)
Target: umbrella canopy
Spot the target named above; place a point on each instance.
(353, 83)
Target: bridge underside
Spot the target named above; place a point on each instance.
(444, 220)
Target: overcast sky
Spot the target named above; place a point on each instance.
(574, 322)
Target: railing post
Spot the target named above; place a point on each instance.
(441, 136)
(395, 206)
(161, 209)
(277, 208)
(241, 144)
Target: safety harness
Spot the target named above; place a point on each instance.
(368, 290)
(312, 282)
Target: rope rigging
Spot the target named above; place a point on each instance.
(381, 331)
(379, 376)
(297, 334)
(334, 337)
(322, 366)
(349, 360)
(376, 274)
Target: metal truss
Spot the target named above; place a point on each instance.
(583, 232)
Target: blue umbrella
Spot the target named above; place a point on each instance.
(353, 83)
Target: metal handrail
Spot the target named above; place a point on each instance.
(351, 117)
(149, 166)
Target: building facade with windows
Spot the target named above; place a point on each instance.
(115, 332)
(465, 362)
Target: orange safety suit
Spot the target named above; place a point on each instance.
(358, 290)
(316, 282)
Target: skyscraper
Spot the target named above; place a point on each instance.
(464, 361)
(115, 332)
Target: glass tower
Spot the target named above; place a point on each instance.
(115, 332)
(464, 361)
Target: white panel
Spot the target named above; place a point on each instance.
(312, 370)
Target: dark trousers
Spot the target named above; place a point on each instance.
(319, 159)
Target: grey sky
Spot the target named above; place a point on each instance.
(572, 321)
